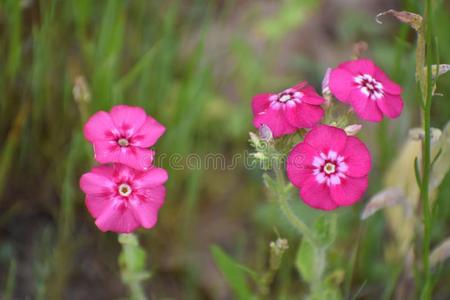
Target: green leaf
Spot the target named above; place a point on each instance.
(233, 272)
(305, 260)
(325, 229)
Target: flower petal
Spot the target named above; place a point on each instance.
(151, 178)
(349, 191)
(146, 214)
(299, 164)
(365, 108)
(124, 173)
(96, 184)
(129, 119)
(134, 157)
(310, 96)
(275, 120)
(359, 66)
(300, 86)
(317, 195)
(146, 211)
(325, 138)
(148, 134)
(97, 204)
(341, 84)
(104, 170)
(391, 105)
(303, 115)
(357, 157)
(100, 127)
(260, 103)
(106, 151)
(137, 158)
(388, 85)
(117, 217)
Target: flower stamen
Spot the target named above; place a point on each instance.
(125, 190)
(123, 142)
(329, 168)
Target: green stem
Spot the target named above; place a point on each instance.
(426, 158)
(132, 261)
(285, 207)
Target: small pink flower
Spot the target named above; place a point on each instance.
(123, 136)
(286, 112)
(330, 168)
(122, 199)
(367, 88)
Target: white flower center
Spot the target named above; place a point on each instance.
(123, 142)
(289, 97)
(284, 98)
(125, 190)
(329, 168)
(369, 86)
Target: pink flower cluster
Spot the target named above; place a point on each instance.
(330, 168)
(126, 191)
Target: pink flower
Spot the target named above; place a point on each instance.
(123, 136)
(122, 199)
(367, 88)
(330, 168)
(286, 112)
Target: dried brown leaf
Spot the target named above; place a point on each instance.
(383, 199)
(440, 253)
(414, 20)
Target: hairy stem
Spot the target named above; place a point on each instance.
(132, 262)
(283, 197)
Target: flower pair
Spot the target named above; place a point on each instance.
(328, 167)
(359, 83)
(127, 191)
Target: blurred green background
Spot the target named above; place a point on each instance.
(194, 65)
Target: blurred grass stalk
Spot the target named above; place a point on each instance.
(427, 90)
(10, 281)
(10, 146)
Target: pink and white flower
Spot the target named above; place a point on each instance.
(330, 168)
(123, 136)
(122, 199)
(286, 112)
(367, 89)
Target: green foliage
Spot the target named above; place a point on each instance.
(234, 273)
(305, 261)
(325, 229)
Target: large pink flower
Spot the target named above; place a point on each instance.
(286, 112)
(122, 199)
(123, 136)
(330, 168)
(367, 88)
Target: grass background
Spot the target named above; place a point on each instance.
(194, 65)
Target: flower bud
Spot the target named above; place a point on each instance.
(265, 133)
(277, 250)
(326, 81)
(353, 129)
